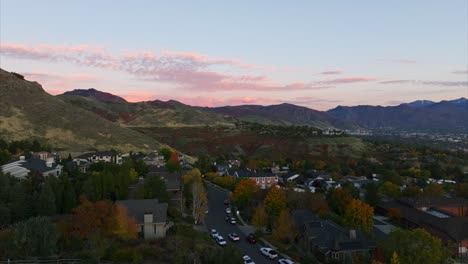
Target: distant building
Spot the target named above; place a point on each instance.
(329, 240)
(262, 179)
(150, 216)
(82, 164)
(443, 217)
(21, 168)
(173, 181)
(104, 156)
(154, 159)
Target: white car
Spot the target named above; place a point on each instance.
(228, 210)
(269, 253)
(285, 261)
(231, 220)
(220, 240)
(234, 237)
(214, 233)
(247, 260)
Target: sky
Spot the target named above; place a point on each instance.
(318, 54)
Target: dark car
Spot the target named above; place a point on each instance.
(251, 238)
(226, 202)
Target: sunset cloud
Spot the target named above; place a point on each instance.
(332, 72)
(433, 83)
(349, 80)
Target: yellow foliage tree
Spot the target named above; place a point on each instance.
(260, 218)
(284, 230)
(359, 215)
(275, 201)
(244, 192)
(395, 259)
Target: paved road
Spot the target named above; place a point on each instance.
(216, 218)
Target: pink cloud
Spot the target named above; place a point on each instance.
(431, 83)
(350, 80)
(332, 72)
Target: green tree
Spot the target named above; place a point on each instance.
(45, 204)
(166, 152)
(415, 246)
(36, 236)
(390, 189)
(372, 194)
(155, 187)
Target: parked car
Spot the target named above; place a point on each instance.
(231, 220)
(226, 202)
(247, 260)
(220, 240)
(234, 237)
(285, 261)
(251, 238)
(228, 210)
(269, 253)
(214, 233)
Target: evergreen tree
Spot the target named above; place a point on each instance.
(46, 201)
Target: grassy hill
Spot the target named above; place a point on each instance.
(144, 114)
(28, 112)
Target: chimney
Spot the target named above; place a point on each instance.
(22, 157)
(49, 164)
(352, 234)
(148, 217)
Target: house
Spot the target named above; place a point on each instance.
(264, 180)
(173, 181)
(45, 156)
(22, 167)
(104, 156)
(443, 217)
(289, 177)
(150, 216)
(154, 159)
(328, 240)
(82, 164)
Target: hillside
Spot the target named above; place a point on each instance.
(282, 114)
(422, 116)
(143, 114)
(27, 112)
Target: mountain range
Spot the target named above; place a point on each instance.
(27, 112)
(418, 116)
(88, 119)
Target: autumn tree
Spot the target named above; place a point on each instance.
(199, 202)
(411, 191)
(395, 259)
(284, 230)
(275, 201)
(359, 215)
(244, 192)
(415, 246)
(260, 218)
(103, 216)
(339, 199)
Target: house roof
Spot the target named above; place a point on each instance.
(248, 173)
(98, 154)
(138, 208)
(38, 165)
(455, 227)
(327, 235)
(426, 201)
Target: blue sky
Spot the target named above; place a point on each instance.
(236, 52)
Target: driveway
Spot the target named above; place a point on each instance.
(216, 218)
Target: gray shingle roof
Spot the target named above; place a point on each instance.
(138, 208)
(38, 165)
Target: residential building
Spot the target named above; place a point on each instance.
(104, 156)
(150, 216)
(154, 159)
(443, 217)
(173, 180)
(328, 240)
(21, 168)
(264, 180)
(82, 164)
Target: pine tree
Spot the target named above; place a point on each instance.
(46, 201)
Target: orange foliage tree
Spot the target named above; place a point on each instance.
(260, 218)
(359, 215)
(102, 216)
(244, 192)
(339, 200)
(284, 230)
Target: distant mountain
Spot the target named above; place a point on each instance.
(28, 112)
(445, 116)
(98, 95)
(282, 114)
(419, 103)
(143, 114)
